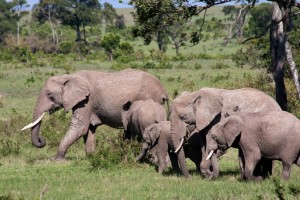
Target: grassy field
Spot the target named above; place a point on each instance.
(29, 173)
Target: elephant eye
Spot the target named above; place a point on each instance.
(182, 116)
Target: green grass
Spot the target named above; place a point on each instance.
(74, 179)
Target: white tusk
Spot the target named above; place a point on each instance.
(210, 154)
(180, 145)
(34, 123)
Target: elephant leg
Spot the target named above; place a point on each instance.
(242, 164)
(286, 170)
(162, 163)
(251, 161)
(90, 141)
(79, 126)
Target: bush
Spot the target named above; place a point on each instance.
(65, 47)
(220, 65)
(10, 144)
(114, 150)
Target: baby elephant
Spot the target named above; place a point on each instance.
(275, 136)
(140, 114)
(157, 140)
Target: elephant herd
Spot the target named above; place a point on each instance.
(201, 125)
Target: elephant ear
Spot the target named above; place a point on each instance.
(232, 128)
(207, 106)
(152, 133)
(75, 90)
(124, 114)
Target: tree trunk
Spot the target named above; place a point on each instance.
(54, 34)
(293, 68)
(278, 40)
(78, 32)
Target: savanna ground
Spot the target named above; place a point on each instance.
(29, 173)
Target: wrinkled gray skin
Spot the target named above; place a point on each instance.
(205, 107)
(95, 98)
(137, 116)
(157, 141)
(275, 136)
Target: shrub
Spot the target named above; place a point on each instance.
(158, 55)
(197, 66)
(65, 47)
(220, 65)
(114, 150)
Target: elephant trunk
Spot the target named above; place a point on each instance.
(41, 107)
(178, 131)
(143, 152)
(215, 166)
(209, 165)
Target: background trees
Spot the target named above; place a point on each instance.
(155, 14)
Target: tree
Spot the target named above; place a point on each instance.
(78, 13)
(261, 17)
(46, 11)
(120, 22)
(110, 43)
(157, 20)
(109, 13)
(8, 19)
(19, 5)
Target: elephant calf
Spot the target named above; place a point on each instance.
(157, 140)
(137, 116)
(274, 136)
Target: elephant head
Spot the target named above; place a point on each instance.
(64, 91)
(150, 137)
(222, 135)
(197, 109)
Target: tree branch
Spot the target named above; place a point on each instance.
(268, 27)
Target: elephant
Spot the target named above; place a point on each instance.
(95, 98)
(206, 107)
(157, 141)
(140, 114)
(274, 135)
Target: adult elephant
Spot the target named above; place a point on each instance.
(206, 107)
(95, 98)
(274, 135)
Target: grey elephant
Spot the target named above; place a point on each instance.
(157, 141)
(95, 98)
(206, 107)
(275, 135)
(140, 114)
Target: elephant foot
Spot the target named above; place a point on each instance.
(58, 159)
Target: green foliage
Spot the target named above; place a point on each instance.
(109, 13)
(110, 43)
(77, 14)
(220, 65)
(256, 54)
(261, 16)
(113, 150)
(65, 47)
(55, 128)
(8, 19)
(9, 146)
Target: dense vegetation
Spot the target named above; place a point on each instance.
(111, 173)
